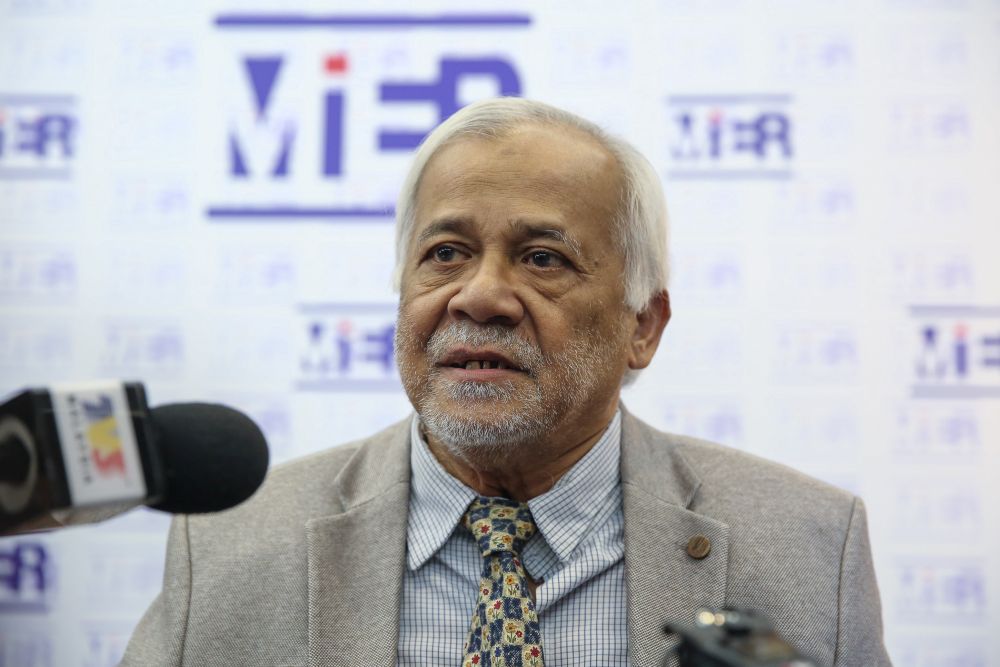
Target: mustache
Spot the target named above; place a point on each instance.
(522, 353)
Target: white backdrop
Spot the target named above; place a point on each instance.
(197, 195)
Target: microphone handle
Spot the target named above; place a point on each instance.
(14, 460)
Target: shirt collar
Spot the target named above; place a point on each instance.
(437, 502)
(566, 513)
(563, 514)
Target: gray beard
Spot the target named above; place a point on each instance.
(471, 437)
(478, 433)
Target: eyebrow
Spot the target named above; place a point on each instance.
(444, 226)
(534, 230)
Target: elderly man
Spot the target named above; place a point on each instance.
(522, 516)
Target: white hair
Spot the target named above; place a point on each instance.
(641, 220)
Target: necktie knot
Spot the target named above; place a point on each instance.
(499, 525)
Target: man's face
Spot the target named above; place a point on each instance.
(512, 323)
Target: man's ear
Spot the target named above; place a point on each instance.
(650, 324)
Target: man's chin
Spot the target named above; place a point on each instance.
(482, 412)
(481, 424)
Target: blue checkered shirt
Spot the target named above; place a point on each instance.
(577, 554)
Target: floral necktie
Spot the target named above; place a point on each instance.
(504, 630)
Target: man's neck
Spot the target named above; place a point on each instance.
(524, 472)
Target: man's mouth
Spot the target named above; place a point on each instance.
(475, 365)
(478, 360)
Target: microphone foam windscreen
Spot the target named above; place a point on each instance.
(214, 457)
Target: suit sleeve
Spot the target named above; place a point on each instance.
(859, 627)
(158, 640)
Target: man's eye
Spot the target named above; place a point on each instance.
(444, 253)
(545, 259)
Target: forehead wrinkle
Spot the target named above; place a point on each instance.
(505, 164)
(457, 182)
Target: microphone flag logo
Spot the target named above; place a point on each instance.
(98, 443)
(102, 432)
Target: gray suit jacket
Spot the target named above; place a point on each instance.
(309, 571)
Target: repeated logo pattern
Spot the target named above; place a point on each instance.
(505, 631)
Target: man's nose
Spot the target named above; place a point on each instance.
(488, 295)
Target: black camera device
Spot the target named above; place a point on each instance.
(732, 638)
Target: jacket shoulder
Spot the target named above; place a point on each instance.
(732, 476)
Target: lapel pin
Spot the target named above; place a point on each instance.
(698, 547)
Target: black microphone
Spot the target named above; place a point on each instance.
(87, 452)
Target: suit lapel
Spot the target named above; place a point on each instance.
(357, 557)
(664, 583)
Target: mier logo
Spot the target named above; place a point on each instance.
(730, 136)
(347, 347)
(26, 576)
(957, 351)
(279, 136)
(154, 348)
(317, 116)
(941, 589)
(37, 136)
